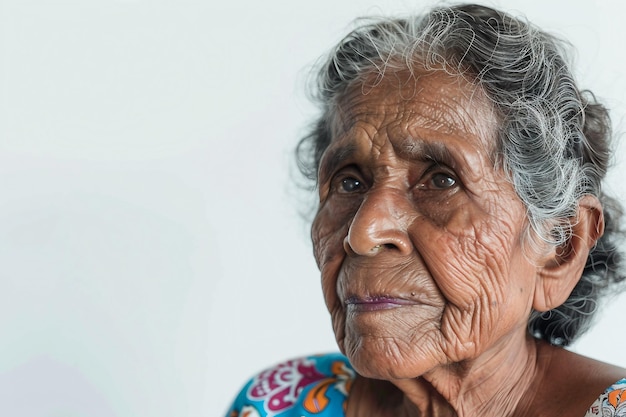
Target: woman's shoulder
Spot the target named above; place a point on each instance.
(315, 385)
(612, 402)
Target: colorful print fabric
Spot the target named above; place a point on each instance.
(318, 386)
(315, 386)
(612, 402)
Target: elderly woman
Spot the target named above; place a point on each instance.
(462, 235)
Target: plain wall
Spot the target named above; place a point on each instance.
(152, 254)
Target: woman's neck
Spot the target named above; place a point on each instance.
(491, 385)
(521, 378)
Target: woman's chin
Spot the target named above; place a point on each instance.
(377, 361)
(388, 371)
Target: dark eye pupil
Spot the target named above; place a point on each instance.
(443, 181)
(350, 184)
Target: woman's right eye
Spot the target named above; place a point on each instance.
(350, 185)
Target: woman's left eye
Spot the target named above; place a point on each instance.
(442, 181)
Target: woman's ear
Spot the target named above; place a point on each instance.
(560, 271)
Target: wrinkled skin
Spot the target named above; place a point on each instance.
(450, 232)
(420, 243)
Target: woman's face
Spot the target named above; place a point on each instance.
(418, 237)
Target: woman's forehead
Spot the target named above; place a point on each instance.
(409, 110)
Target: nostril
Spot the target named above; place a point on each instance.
(378, 248)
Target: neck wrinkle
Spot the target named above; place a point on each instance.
(492, 385)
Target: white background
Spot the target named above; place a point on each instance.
(152, 254)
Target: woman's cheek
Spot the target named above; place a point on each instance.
(467, 248)
(329, 229)
(327, 240)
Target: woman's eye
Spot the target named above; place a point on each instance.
(350, 185)
(442, 181)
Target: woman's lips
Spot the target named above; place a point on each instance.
(376, 303)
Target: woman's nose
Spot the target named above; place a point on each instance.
(381, 223)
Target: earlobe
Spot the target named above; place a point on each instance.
(561, 271)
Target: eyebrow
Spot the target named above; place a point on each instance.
(418, 149)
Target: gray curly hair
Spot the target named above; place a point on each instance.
(553, 140)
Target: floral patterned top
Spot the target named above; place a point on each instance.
(314, 386)
(318, 386)
(612, 402)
